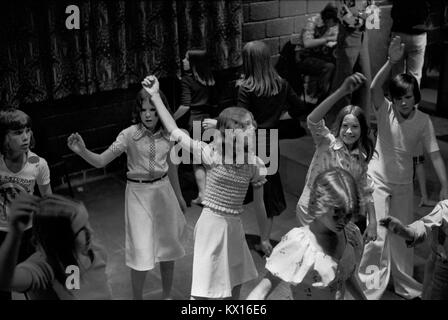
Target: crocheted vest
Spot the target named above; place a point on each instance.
(226, 187)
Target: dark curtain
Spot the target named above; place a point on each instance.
(118, 43)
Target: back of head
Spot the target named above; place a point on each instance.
(12, 119)
(334, 188)
(200, 66)
(259, 76)
(330, 12)
(401, 83)
(55, 228)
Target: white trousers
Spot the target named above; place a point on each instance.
(389, 253)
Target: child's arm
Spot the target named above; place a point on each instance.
(396, 50)
(396, 226)
(22, 209)
(45, 189)
(77, 145)
(174, 179)
(262, 220)
(349, 85)
(264, 288)
(354, 288)
(370, 233)
(439, 167)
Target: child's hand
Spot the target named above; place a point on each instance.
(151, 85)
(370, 233)
(396, 226)
(76, 143)
(209, 123)
(396, 50)
(21, 211)
(353, 83)
(266, 247)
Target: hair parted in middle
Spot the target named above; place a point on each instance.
(200, 66)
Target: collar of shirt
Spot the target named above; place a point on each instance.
(142, 132)
(339, 144)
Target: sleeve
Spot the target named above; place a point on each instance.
(120, 145)
(185, 98)
(40, 272)
(320, 132)
(435, 218)
(43, 176)
(296, 108)
(259, 175)
(429, 137)
(243, 98)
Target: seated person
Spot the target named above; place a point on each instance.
(317, 56)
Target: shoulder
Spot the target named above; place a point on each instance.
(34, 159)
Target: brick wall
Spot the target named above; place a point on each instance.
(276, 21)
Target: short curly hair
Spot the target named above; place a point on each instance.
(334, 188)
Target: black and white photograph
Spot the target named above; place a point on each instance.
(224, 150)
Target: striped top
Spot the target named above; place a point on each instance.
(226, 184)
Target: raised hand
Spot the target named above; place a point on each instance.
(209, 123)
(76, 143)
(151, 85)
(21, 211)
(353, 82)
(396, 50)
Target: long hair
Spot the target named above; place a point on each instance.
(364, 143)
(12, 119)
(400, 85)
(230, 118)
(335, 189)
(55, 228)
(200, 67)
(259, 76)
(142, 95)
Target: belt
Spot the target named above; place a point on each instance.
(146, 181)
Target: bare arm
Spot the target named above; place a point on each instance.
(264, 288)
(174, 179)
(439, 167)
(349, 85)
(45, 189)
(396, 50)
(77, 145)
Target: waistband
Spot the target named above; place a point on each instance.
(146, 180)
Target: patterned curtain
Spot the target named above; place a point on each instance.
(118, 43)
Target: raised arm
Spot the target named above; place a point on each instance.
(349, 85)
(77, 145)
(396, 50)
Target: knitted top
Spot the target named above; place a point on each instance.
(226, 184)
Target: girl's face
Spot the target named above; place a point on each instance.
(148, 115)
(336, 220)
(350, 131)
(19, 140)
(405, 105)
(186, 63)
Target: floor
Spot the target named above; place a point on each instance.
(105, 202)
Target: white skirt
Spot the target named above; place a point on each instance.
(222, 259)
(154, 224)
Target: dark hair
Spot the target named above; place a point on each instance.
(364, 143)
(199, 65)
(54, 231)
(12, 119)
(334, 188)
(400, 85)
(329, 12)
(142, 95)
(259, 76)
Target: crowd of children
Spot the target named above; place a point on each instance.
(351, 179)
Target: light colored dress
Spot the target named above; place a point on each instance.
(313, 275)
(222, 259)
(154, 220)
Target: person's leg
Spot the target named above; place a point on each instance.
(199, 174)
(374, 268)
(416, 46)
(166, 273)
(236, 292)
(439, 281)
(402, 263)
(138, 282)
